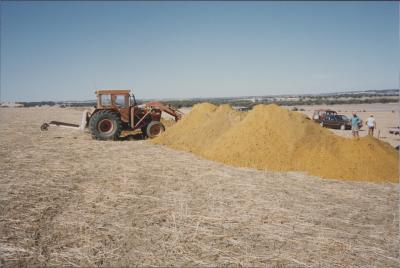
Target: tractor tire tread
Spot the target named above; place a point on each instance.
(105, 114)
(152, 123)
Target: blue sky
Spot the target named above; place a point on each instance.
(66, 50)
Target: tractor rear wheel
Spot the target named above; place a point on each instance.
(154, 129)
(105, 125)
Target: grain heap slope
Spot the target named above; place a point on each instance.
(273, 138)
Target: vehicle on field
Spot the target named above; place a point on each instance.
(321, 114)
(117, 110)
(394, 130)
(336, 121)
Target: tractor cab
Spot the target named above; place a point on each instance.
(114, 99)
(117, 100)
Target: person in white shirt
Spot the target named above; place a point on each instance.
(371, 123)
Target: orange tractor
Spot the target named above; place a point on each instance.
(117, 110)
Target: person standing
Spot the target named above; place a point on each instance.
(371, 123)
(355, 125)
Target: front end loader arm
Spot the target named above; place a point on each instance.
(169, 109)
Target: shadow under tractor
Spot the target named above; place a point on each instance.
(117, 110)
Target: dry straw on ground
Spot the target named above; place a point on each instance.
(273, 138)
(67, 200)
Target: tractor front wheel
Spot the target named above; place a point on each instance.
(154, 129)
(105, 125)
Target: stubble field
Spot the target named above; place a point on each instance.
(66, 199)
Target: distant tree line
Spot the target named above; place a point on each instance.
(321, 101)
(302, 101)
(190, 103)
(52, 103)
(315, 100)
(37, 103)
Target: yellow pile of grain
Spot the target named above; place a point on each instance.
(273, 138)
